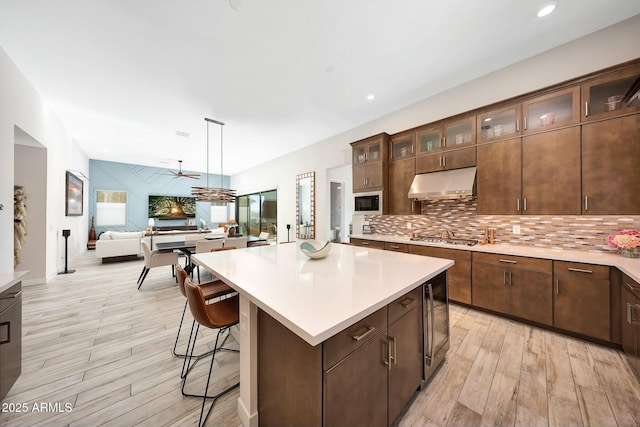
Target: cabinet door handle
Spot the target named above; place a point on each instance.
(517, 125)
(8, 326)
(580, 270)
(508, 261)
(524, 204)
(394, 355)
(525, 124)
(586, 108)
(444, 141)
(504, 278)
(369, 330)
(518, 205)
(394, 246)
(444, 161)
(586, 203)
(364, 243)
(511, 278)
(631, 319)
(14, 295)
(366, 156)
(407, 302)
(630, 287)
(557, 286)
(387, 362)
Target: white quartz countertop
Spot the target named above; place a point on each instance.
(7, 280)
(318, 298)
(629, 266)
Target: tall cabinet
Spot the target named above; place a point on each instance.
(402, 169)
(370, 163)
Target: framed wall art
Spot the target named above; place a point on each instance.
(74, 195)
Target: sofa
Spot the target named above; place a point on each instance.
(119, 245)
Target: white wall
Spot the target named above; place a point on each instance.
(599, 50)
(22, 106)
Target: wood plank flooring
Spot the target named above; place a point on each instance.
(95, 343)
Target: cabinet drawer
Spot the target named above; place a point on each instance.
(398, 247)
(580, 269)
(10, 296)
(368, 243)
(404, 304)
(524, 263)
(343, 343)
(455, 254)
(631, 285)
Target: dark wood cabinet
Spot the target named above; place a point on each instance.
(402, 145)
(581, 299)
(551, 172)
(612, 94)
(10, 338)
(534, 175)
(374, 244)
(405, 342)
(446, 145)
(517, 286)
(499, 177)
(397, 247)
(362, 376)
(370, 163)
(630, 309)
(459, 275)
(454, 159)
(611, 166)
(401, 174)
(355, 389)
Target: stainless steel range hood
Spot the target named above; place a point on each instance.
(452, 184)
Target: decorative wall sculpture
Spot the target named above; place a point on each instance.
(19, 222)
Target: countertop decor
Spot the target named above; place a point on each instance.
(315, 249)
(626, 240)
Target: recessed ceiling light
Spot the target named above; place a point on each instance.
(182, 133)
(371, 97)
(105, 150)
(546, 10)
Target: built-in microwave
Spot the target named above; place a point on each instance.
(368, 203)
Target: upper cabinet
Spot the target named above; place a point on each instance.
(370, 163)
(446, 145)
(499, 124)
(403, 145)
(555, 109)
(612, 95)
(552, 110)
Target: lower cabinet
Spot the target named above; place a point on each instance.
(630, 309)
(10, 338)
(362, 376)
(517, 286)
(581, 299)
(459, 274)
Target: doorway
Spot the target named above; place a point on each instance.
(258, 213)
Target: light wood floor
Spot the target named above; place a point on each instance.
(91, 340)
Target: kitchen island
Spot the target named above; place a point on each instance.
(310, 300)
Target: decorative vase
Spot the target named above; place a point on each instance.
(628, 253)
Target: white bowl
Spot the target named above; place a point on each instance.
(314, 249)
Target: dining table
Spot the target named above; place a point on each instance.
(187, 247)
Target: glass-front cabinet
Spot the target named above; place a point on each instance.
(368, 152)
(612, 95)
(459, 133)
(403, 145)
(552, 110)
(499, 124)
(428, 140)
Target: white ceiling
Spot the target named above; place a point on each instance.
(124, 76)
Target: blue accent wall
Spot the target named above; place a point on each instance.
(141, 181)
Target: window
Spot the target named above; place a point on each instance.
(258, 212)
(111, 208)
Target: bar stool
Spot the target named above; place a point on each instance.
(210, 290)
(219, 315)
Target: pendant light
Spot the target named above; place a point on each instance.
(213, 194)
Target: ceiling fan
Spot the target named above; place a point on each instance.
(181, 174)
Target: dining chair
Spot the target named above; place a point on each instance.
(156, 259)
(238, 242)
(220, 315)
(205, 245)
(210, 290)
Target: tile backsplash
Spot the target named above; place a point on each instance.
(577, 232)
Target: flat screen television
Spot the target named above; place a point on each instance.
(172, 207)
